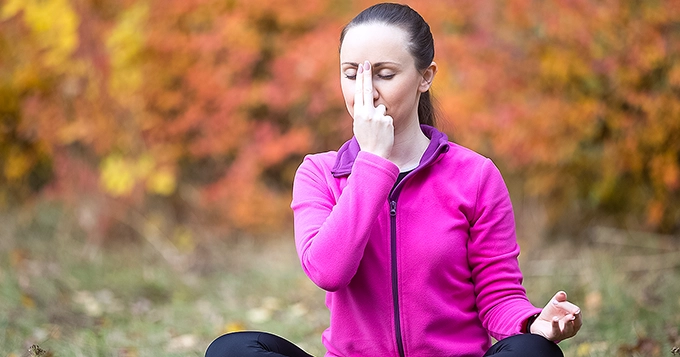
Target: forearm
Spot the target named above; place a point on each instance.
(331, 236)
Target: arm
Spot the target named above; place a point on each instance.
(503, 306)
(331, 236)
(492, 255)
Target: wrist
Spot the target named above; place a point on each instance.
(530, 321)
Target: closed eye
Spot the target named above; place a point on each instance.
(385, 76)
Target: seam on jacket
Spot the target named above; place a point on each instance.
(480, 174)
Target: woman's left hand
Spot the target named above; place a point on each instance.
(559, 320)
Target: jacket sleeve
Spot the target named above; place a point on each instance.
(492, 254)
(331, 236)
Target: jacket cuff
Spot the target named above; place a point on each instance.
(528, 322)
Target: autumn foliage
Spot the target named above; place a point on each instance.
(197, 112)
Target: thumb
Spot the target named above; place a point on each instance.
(380, 110)
(560, 296)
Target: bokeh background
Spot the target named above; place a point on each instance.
(147, 151)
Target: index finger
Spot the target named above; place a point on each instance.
(359, 87)
(368, 83)
(567, 306)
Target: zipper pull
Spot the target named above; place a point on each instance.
(393, 208)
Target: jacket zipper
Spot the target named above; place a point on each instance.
(393, 240)
(395, 289)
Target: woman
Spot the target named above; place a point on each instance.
(412, 236)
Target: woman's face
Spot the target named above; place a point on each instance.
(397, 83)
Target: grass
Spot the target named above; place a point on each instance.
(125, 299)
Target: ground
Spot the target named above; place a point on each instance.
(127, 299)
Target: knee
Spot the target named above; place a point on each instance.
(231, 344)
(541, 345)
(527, 344)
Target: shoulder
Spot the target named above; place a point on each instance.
(322, 157)
(465, 153)
(469, 169)
(466, 159)
(319, 163)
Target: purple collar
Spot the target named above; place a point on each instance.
(350, 149)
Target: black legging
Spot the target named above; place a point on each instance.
(255, 344)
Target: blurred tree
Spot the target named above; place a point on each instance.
(199, 111)
(202, 106)
(580, 98)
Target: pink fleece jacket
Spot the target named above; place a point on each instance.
(427, 269)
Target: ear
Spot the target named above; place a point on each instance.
(428, 77)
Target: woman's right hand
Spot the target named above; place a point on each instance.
(373, 129)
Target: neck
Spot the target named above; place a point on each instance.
(410, 144)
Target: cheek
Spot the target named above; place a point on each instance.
(404, 94)
(399, 97)
(348, 93)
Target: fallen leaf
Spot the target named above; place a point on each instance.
(259, 315)
(182, 343)
(27, 301)
(233, 326)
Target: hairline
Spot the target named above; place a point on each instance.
(409, 35)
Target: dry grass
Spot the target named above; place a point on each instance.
(127, 300)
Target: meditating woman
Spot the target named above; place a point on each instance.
(412, 236)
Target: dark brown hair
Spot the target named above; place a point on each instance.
(421, 43)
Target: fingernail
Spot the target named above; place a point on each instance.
(367, 65)
(555, 302)
(360, 70)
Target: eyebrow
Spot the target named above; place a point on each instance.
(374, 65)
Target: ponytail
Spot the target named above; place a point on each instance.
(426, 111)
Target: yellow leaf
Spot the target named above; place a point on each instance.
(125, 45)
(54, 24)
(583, 350)
(161, 182)
(17, 165)
(27, 301)
(11, 8)
(233, 326)
(117, 175)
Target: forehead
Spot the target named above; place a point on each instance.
(376, 42)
